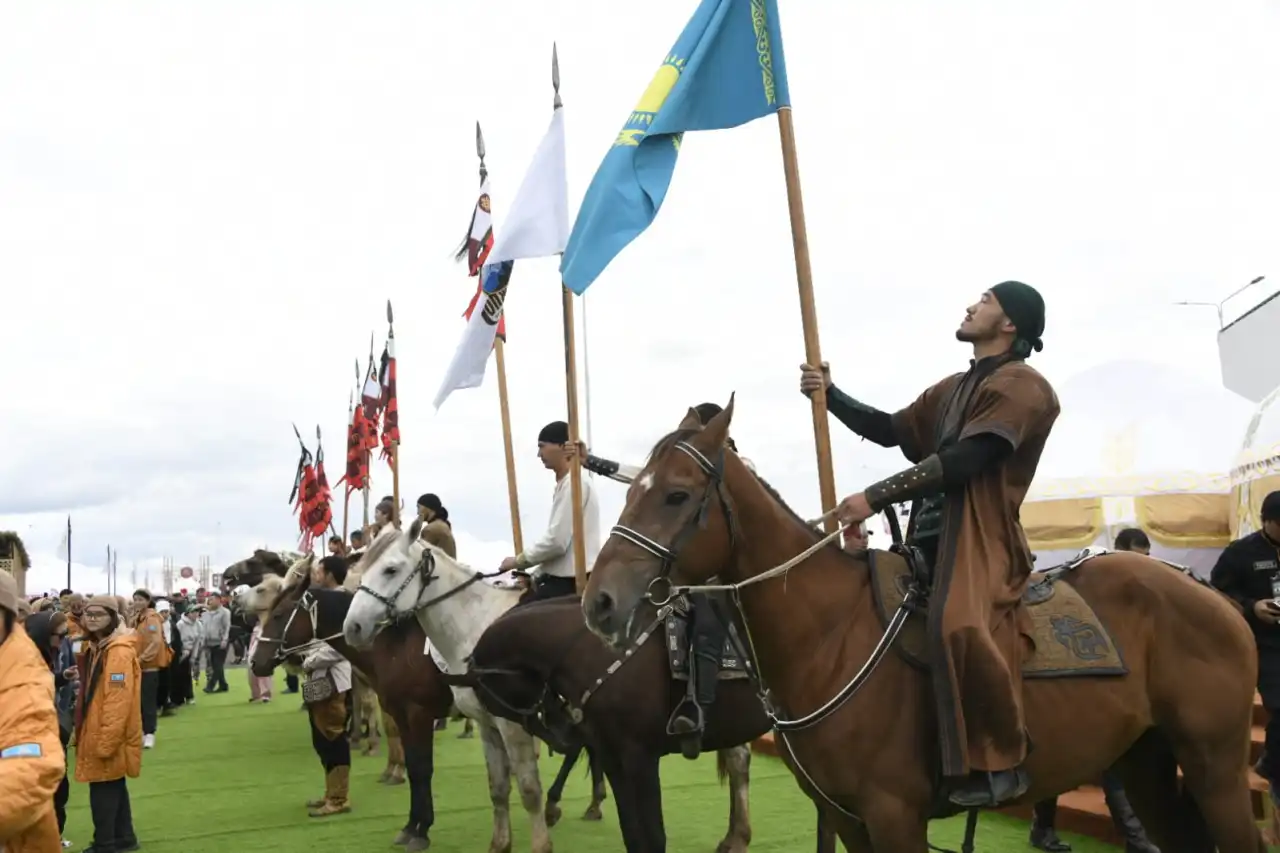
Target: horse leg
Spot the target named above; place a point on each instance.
(735, 763)
(371, 718)
(557, 787)
(642, 769)
(499, 767)
(826, 834)
(419, 763)
(523, 753)
(624, 801)
(598, 792)
(396, 764)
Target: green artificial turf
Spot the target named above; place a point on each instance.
(230, 775)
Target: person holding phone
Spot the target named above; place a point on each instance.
(1248, 572)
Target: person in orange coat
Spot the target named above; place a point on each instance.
(31, 757)
(153, 656)
(109, 724)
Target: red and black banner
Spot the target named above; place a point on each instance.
(390, 405)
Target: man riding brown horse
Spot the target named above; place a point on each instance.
(976, 439)
(707, 631)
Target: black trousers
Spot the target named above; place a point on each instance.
(549, 586)
(150, 700)
(706, 646)
(164, 687)
(63, 793)
(112, 816)
(217, 669)
(180, 684)
(290, 683)
(332, 753)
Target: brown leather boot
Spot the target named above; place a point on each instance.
(328, 788)
(338, 782)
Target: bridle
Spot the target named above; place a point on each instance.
(668, 554)
(309, 605)
(662, 590)
(425, 571)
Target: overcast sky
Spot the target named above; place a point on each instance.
(204, 207)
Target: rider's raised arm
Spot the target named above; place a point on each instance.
(613, 470)
(866, 421)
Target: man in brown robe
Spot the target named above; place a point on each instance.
(975, 438)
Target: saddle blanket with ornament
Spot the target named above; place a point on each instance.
(1067, 637)
(677, 627)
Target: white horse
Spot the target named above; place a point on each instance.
(401, 574)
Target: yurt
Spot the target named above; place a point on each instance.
(1257, 468)
(1138, 445)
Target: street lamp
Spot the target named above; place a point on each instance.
(1219, 305)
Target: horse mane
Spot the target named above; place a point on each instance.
(671, 439)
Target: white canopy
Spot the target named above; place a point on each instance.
(1257, 466)
(1137, 445)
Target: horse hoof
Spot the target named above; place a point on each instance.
(592, 812)
(402, 838)
(552, 814)
(418, 843)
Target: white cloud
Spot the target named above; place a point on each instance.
(206, 206)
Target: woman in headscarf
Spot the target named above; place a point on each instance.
(48, 630)
(109, 724)
(437, 530)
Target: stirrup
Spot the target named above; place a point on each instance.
(698, 719)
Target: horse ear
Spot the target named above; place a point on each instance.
(415, 530)
(716, 432)
(691, 421)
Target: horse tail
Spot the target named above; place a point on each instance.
(722, 767)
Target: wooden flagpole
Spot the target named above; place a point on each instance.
(504, 405)
(571, 392)
(808, 312)
(395, 445)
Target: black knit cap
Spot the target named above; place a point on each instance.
(1024, 306)
(556, 432)
(431, 502)
(707, 411)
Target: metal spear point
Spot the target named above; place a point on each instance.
(358, 377)
(317, 432)
(299, 435)
(484, 170)
(391, 317)
(555, 75)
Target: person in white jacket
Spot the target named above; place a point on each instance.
(551, 557)
(325, 694)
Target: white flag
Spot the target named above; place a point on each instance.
(538, 224)
(470, 360)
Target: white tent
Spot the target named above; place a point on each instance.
(1137, 445)
(1257, 467)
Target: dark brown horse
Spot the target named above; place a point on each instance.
(406, 680)
(872, 763)
(538, 663)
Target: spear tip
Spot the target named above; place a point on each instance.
(391, 317)
(317, 432)
(479, 141)
(555, 74)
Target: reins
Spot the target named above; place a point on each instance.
(668, 555)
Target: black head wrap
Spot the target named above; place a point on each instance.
(432, 502)
(556, 432)
(1024, 306)
(707, 411)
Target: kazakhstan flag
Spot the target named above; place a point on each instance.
(726, 69)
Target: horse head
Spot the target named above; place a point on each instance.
(251, 570)
(399, 575)
(674, 528)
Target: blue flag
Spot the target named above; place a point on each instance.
(726, 69)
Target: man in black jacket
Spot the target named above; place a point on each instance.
(1249, 572)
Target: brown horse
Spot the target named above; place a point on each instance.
(534, 656)
(256, 572)
(406, 680)
(871, 762)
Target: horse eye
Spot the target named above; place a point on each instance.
(677, 498)
(389, 571)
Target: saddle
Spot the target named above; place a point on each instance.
(1067, 637)
(732, 667)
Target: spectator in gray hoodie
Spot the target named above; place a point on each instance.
(191, 638)
(216, 624)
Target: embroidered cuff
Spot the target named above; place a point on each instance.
(597, 465)
(915, 482)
